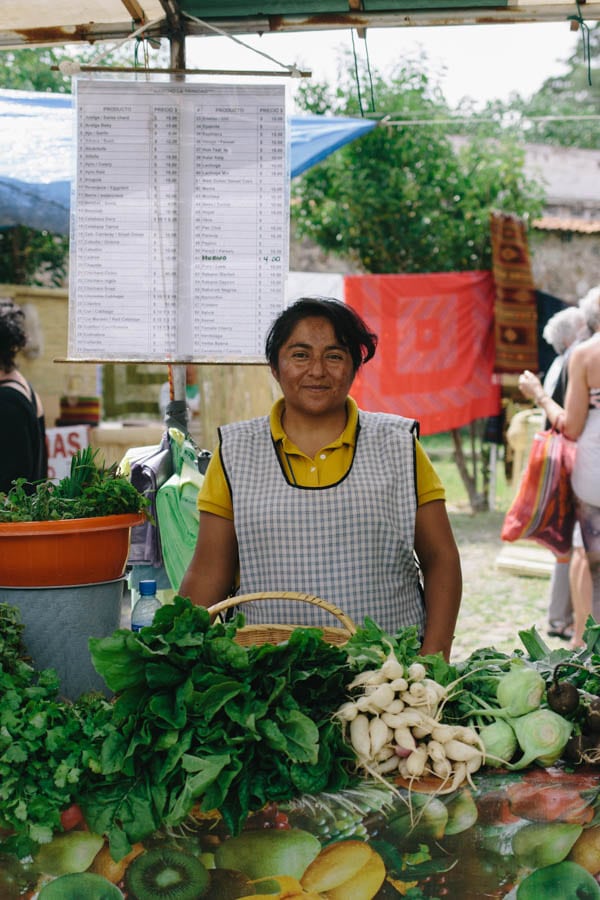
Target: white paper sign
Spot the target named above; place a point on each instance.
(180, 220)
(62, 444)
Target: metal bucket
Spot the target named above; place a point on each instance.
(58, 623)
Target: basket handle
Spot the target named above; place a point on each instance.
(286, 595)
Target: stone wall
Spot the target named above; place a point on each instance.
(565, 264)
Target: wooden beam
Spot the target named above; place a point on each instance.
(519, 11)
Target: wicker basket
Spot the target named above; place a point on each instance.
(276, 634)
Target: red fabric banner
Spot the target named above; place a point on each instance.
(435, 357)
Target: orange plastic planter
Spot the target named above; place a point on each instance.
(65, 552)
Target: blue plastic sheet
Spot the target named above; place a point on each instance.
(36, 165)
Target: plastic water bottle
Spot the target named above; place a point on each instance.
(147, 604)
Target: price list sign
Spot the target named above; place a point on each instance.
(179, 220)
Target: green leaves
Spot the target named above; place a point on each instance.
(89, 490)
(206, 720)
(402, 198)
(47, 747)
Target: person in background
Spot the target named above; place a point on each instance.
(192, 394)
(23, 452)
(562, 331)
(322, 498)
(580, 421)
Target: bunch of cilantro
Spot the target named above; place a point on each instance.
(199, 719)
(89, 490)
(47, 745)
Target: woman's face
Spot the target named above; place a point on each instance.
(315, 371)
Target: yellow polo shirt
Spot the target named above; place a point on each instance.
(329, 465)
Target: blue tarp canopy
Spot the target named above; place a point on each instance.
(36, 165)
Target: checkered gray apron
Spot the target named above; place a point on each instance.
(350, 543)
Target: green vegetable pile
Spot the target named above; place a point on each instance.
(200, 719)
(90, 490)
(46, 745)
(532, 707)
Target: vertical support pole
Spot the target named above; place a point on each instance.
(492, 476)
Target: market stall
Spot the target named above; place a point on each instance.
(229, 767)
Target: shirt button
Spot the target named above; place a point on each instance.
(323, 456)
(313, 469)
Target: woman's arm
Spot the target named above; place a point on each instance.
(438, 555)
(211, 573)
(571, 419)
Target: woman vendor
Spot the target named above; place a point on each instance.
(323, 498)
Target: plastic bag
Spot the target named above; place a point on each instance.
(543, 509)
(176, 506)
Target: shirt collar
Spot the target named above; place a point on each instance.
(348, 435)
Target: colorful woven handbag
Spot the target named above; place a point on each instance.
(543, 509)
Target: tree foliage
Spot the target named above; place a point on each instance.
(576, 93)
(566, 109)
(405, 198)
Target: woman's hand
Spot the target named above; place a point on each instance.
(531, 386)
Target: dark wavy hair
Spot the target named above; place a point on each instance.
(12, 334)
(350, 329)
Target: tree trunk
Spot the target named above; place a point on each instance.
(477, 499)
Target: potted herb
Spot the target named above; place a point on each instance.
(75, 531)
(63, 552)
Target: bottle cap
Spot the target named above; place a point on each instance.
(147, 587)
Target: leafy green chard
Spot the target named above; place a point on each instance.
(199, 719)
(89, 490)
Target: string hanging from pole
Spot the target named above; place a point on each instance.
(585, 36)
(357, 76)
(369, 73)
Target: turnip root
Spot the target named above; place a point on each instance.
(385, 753)
(411, 718)
(423, 731)
(416, 672)
(395, 727)
(347, 712)
(379, 735)
(404, 738)
(382, 697)
(461, 752)
(387, 766)
(443, 732)
(436, 751)
(368, 677)
(415, 763)
(442, 768)
(360, 736)
(392, 668)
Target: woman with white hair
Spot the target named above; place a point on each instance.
(562, 331)
(580, 421)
